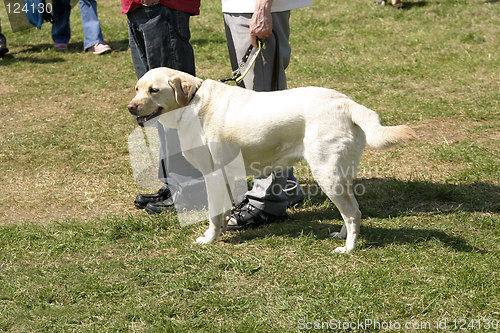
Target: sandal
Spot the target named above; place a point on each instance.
(246, 215)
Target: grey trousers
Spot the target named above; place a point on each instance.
(267, 74)
(185, 182)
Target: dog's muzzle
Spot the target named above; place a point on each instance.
(141, 120)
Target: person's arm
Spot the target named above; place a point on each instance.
(261, 24)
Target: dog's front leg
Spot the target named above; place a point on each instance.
(219, 206)
(214, 229)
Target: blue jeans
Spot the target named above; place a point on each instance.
(159, 37)
(61, 30)
(91, 25)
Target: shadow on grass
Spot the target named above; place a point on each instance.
(75, 47)
(373, 237)
(119, 45)
(10, 58)
(384, 198)
(410, 5)
(381, 237)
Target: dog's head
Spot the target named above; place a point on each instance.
(161, 90)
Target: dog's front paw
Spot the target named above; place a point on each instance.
(209, 236)
(204, 240)
(341, 249)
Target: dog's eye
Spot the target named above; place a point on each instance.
(153, 90)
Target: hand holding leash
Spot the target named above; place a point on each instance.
(245, 64)
(261, 24)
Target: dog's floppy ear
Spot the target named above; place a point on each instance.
(184, 88)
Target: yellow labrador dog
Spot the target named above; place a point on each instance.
(272, 129)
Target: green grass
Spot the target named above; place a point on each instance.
(138, 274)
(75, 256)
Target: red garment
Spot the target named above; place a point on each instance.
(188, 6)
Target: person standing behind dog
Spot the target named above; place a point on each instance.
(159, 37)
(61, 30)
(268, 20)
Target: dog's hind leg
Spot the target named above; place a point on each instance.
(348, 207)
(334, 172)
(340, 191)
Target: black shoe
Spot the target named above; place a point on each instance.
(160, 206)
(142, 200)
(247, 216)
(3, 45)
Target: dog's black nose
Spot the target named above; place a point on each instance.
(132, 108)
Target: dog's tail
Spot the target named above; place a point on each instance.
(378, 136)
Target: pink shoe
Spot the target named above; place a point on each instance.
(99, 48)
(61, 47)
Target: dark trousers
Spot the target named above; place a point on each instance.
(159, 37)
